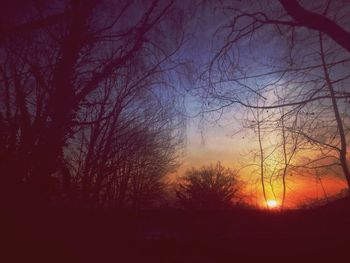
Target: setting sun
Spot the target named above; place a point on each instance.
(272, 203)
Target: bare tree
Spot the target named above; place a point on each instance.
(128, 165)
(272, 51)
(55, 66)
(210, 187)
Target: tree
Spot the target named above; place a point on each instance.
(293, 59)
(54, 67)
(210, 187)
(121, 161)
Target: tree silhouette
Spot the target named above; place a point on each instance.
(210, 187)
(63, 67)
(291, 55)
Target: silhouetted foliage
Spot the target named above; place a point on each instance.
(84, 94)
(210, 187)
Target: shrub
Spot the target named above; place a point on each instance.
(210, 187)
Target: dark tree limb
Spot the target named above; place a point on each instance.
(9, 31)
(317, 22)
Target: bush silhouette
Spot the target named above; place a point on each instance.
(210, 187)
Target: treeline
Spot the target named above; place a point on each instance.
(88, 113)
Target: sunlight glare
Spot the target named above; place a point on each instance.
(272, 203)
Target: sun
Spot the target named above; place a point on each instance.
(272, 203)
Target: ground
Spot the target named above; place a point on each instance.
(175, 235)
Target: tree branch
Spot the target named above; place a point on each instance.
(317, 22)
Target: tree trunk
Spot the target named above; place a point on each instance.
(343, 144)
(261, 160)
(61, 105)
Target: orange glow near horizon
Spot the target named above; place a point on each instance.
(302, 190)
(303, 187)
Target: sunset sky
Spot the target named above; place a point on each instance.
(174, 130)
(209, 144)
(220, 136)
(245, 82)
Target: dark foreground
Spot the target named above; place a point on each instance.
(173, 235)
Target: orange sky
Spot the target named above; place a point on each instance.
(217, 144)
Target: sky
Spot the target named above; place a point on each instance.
(211, 138)
(224, 136)
(209, 143)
